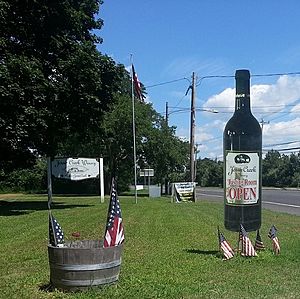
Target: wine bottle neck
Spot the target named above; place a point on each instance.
(242, 97)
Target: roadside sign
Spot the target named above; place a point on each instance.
(147, 172)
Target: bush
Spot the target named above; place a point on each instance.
(26, 180)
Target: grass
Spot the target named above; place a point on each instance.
(170, 250)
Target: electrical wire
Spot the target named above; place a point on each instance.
(284, 149)
(276, 74)
(222, 76)
(284, 143)
(167, 82)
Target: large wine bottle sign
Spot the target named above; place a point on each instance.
(242, 144)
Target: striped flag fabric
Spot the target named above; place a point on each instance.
(259, 245)
(247, 247)
(56, 234)
(114, 234)
(228, 252)
(137, 85)
(273, 236)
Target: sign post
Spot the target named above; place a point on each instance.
(101, 177)
(49, 182)
(147, 172)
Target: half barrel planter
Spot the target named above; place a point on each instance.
(80, 265)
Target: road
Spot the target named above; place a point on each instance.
(279, 200)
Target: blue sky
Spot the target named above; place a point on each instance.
(171, 39)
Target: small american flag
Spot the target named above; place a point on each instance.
(247, 247)
(137, 85)
(259, 245)
(225, 247)
(114, 234)
(56, 234)
(275, 241)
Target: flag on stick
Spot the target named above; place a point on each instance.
(225, 247)
(275, 241)
(247, 247)
(137, 85)
(259, 245)
(56, 234)
(114, 234)
(240, 242)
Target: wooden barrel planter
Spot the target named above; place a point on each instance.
(80, 265)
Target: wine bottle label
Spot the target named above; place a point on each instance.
(242, 178)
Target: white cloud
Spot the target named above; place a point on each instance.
(277, 132)
(201, 136)
(225, 100)
(296, 109)
(285, 91)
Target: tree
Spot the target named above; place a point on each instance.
(270, 168)
(209, 173)
(55, 85)
(156, 143)
(165, 152)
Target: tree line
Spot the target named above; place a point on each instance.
(278, 170)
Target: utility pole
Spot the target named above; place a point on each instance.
(196, 157)
(192, 130)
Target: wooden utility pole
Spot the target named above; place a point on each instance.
(192, 130)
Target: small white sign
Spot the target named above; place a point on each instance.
(184, 191)
(147, 172)
(75, 169)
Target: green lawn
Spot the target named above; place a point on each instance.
(170, 250)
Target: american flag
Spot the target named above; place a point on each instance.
(56, 234)
(114, 234)
(259, 245)
(225, 247)
(137, 85)
(247, 247)
(275, 241)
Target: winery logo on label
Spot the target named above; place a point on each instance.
(242, 158)
(242, 178)
(242, 95)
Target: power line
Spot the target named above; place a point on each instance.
(276, 74)
(167, 82)
(265, 106)
(223, 76)
(284, 149)
(254, 75)
(284, 143)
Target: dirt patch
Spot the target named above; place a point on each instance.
(9, 195)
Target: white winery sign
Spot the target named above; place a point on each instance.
(75, 169)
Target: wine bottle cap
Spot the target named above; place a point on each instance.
(243, 74)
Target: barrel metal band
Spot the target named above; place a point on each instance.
(84, 283)
(85, 267)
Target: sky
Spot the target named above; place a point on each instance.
(169, 40)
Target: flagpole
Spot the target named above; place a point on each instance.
(133, 131)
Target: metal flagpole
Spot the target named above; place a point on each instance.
(133, 131)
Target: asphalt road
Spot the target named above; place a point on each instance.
(279, 200)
